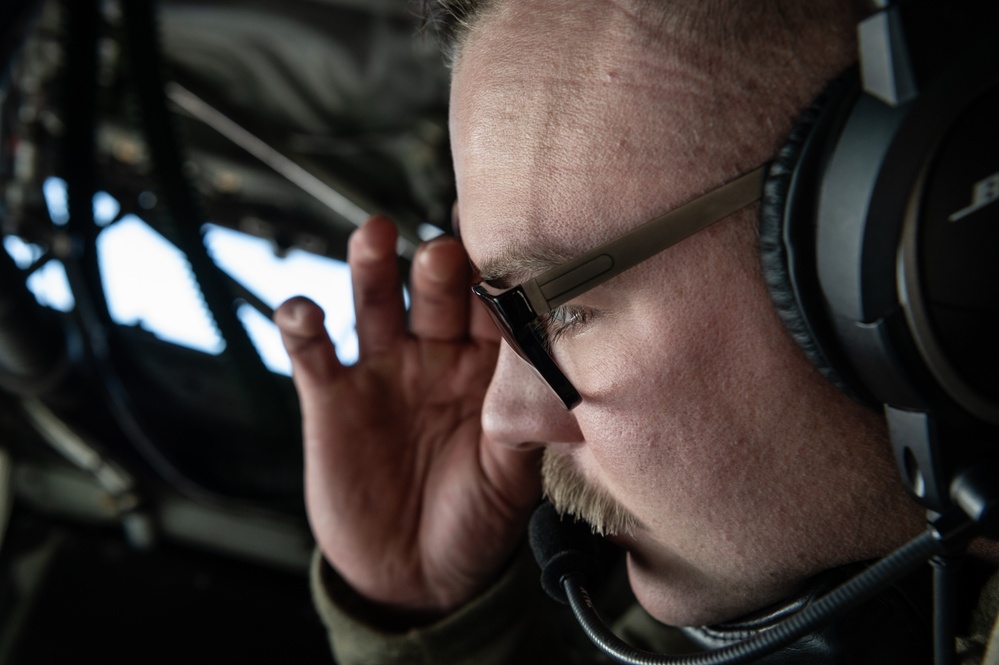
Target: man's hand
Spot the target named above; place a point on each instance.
(407, 499)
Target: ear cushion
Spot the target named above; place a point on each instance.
(787, 233)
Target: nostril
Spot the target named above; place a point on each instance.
(529, 445)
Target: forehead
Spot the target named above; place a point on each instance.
(568, 128)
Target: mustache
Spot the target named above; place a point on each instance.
(571, 494)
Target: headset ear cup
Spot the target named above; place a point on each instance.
(787, 234)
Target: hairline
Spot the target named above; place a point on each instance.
(453, 20)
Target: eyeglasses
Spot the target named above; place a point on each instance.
(517, 311)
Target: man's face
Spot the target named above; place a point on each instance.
(745, 471)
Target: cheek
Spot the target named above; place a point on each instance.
(672, 407)
(650, 410)
(689, 320)
(639, 354)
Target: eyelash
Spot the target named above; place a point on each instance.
(560, 321)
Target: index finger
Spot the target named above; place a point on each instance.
(378, 303)
(439, 287)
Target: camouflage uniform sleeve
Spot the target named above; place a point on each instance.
(511, 622)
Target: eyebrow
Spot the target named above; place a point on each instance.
(518, 264)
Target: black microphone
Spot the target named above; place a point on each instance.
(567, 552)
(561, 547)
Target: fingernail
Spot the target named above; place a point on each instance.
(363, 251)
(431, 266)
(296, 313)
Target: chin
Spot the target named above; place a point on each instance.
(683, 596)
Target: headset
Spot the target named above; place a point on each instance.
(879, 235)
(879, 241)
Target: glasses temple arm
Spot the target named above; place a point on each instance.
(563, 283)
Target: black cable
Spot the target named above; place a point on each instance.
(82, 268)
(847, 596)
(945, 577)
(91, 314)
(182, 224)
(79, 161)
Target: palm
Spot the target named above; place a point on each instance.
(407, 498)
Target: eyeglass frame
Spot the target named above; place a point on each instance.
(515, 310)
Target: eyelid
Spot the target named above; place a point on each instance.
(564, 319)
(567, 313)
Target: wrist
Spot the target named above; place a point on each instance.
(389, 617)
(381, 616)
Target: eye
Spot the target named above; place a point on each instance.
(563, 320)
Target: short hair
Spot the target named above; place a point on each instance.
(451, 20)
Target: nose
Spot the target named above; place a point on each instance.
(521, 411)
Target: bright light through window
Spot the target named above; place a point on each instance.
(57, 202)
(54, 191)
(148, 282)
(48, 283)
(105, 208)
(24, 254)
(252, 262)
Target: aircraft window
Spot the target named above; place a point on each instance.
(148, 282)
(274, 279)
(48, 283)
